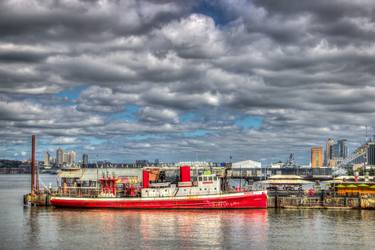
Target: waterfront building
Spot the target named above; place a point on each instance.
(85, 160)
(46, 159)
(247, 164)
(285, 182)
(316, 157)
(277, 165)
(59, 156)
(371, 154)
(354, 185)
(328, 156)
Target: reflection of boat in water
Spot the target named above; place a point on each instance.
(204, 193)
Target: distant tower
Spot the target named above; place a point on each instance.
(344, 148)
(46, 159)
(59, 156)
(66, 157)
(85, 160)
(72, 157)
(340, 149)
(316, 157)
(329, 151)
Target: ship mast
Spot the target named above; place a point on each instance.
(34, 175)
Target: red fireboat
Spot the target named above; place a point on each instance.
(204, 193)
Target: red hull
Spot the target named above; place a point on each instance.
(235, 200)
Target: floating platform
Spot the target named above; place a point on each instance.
(37, 200)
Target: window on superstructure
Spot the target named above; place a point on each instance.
(200, 178)
(215, 178)
(205, 178)
(210, 178)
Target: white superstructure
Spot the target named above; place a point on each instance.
(247, 164)
(205, 185)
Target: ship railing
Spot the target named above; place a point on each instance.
(89, 192)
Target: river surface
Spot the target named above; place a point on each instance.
(51, 228)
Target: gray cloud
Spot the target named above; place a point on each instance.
(76, 69)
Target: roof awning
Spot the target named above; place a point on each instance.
(286, 182)
(70, 174)
(351, 186)
(362, 185)
(285, 177)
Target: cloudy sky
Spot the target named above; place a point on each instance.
(185, 80)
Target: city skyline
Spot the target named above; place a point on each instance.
(185, 81)
(329, 152)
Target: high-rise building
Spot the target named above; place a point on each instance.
(60, 156)
(329, 152)
(85, 160)
(340, 149)
(316, 157)
(66, 157)
(332, 163)
(72, 157)
(343, 148)
(371, 154)
(46, 159)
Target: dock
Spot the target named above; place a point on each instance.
(274, 201)
(344, 198)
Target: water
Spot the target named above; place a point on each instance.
(50, 228)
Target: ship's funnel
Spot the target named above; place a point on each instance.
(145, 179)
(185, 173)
